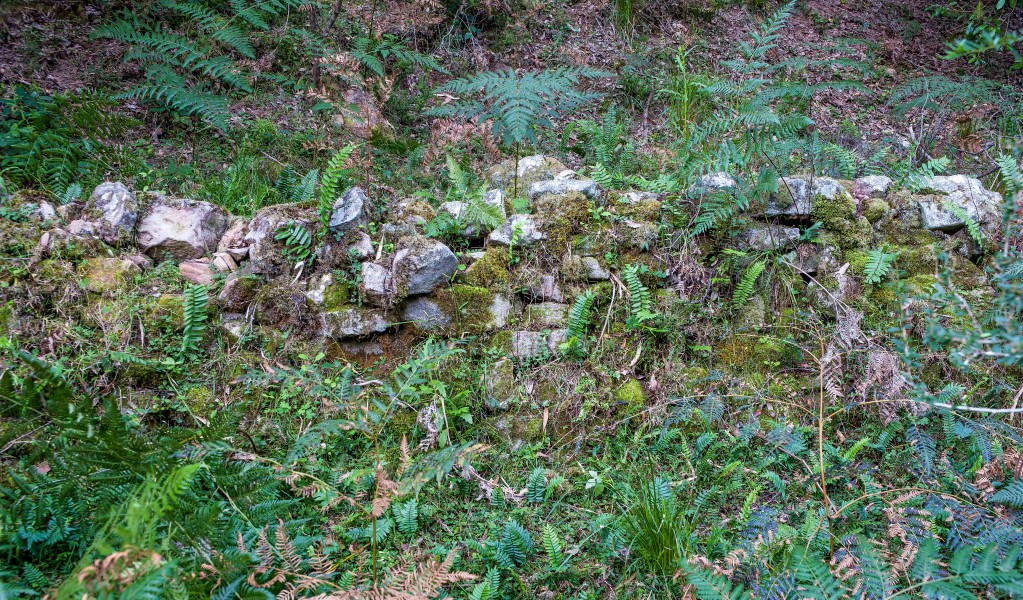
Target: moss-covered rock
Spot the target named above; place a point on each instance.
(167, 310)
(490, 271)
(104, 275)
(531, 169)
(874, 209)
(630, 396)
(562, 215)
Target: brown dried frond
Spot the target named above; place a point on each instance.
(885, 379)
(687, 275)
(832, 374)
(448, 134)
(406, 455)
(386, 490)
(488, 486)
(422, 582)
(1010, 463)
(117, 570)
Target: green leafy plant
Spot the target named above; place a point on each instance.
(744, 288)
(972, 226)
(55, 142)
(518, 103)
(641, 304)
(196, 297)
(613, 154)
(184, 65)
(298, 242)
(335, 178)
(879, 263)
(578, 322)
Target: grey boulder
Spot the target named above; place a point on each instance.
(181, 229)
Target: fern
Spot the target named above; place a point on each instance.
(406, 516)
(744, 289)
(1009, 172)
(879, 263)
(972, 227)
(518, 103)
(916, 178)
(195, 300)
(557, 560)
(489, 588)
(536, 485)
(709, 586)
(1010, 495)
(298, 242)
(335, 177)
(579, 320)
(640, 301)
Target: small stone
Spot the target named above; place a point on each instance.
(361, 115)
(233, 325)
(527, 232)
(376, 284)
(114, 209)
(500, 310)
(105, 275)
(528, 344)
(196, 271)
(351, 322)
(531, 169)
(140, 260)
(318, 287)
(421, 265)
(501, 385)
(82, 228)
(792, 199)
(348, 210)
(546, 315)
(595, 272)
(426, 314)
(264, 253)
(181, 229)
(45, 212)
(233, 241)
(713, 182)
(362, 249)
(224, 262)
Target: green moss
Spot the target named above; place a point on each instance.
(643, 210)
(200, 401)
(757, 352)
(562, 215)
(106, 275)
(874, 209)
(501, 342)
(472, 307)
(335, 296)
(490, 271)
(631, 396)
(573, 270)
(167, 310)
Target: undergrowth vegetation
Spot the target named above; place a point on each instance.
(709, 365)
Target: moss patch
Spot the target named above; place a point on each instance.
(490, 271)
(630, 396)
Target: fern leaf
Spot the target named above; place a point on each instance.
(879, 263)
(744, 289)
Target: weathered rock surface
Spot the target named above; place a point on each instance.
(421, 265)
(968, 194)
(376, 284)
(545, 315)
(351, 322)
(531, 169)
(233, 241)
(347, 212)
(180, 229)
(771, 237)
(426, 314)
(113, 209)
(264, 254)
(872, 186)
(522, 228)
(564, 182)
(196, 271)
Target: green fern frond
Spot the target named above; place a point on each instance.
(972, 226)
(744, 289)
(335, 176)
(196, 298)
(536, 485)
(879, 263)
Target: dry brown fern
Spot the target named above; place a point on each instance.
(420, 582)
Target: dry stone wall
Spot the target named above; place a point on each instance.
(513, 284)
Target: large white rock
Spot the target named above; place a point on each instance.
(180, 229)
(376, 284)
(967, 193)
(564, 182)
